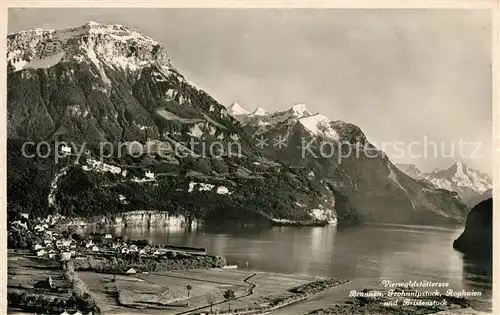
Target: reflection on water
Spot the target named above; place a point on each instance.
(394, 252)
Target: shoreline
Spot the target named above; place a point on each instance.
(179, 221)
(137, 274)
(147, 219)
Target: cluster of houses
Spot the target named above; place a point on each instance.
(56, 248)
(53, 244)
(107, 244)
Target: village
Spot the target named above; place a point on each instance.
(65, 273)
(52, 243)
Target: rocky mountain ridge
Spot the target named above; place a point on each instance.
(109, 84)
(352, 165)
(470, 184)
(117, 44)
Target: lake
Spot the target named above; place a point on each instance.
(372, 252)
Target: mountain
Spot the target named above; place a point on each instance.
(240, 114)
(237, 111)
(122, 124)
(475, 200)
(476, 241)
(339, 154)
(103, 83)
(470, 184)
(259, 111)
(411, 170)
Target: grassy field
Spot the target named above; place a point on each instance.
(166, 293)
(160, 293)
(26, 270)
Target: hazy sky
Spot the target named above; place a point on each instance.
(401, 75)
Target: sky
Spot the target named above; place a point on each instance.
(410, 79)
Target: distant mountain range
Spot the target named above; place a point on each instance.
(471, 185)
(240, 113)
(108, 83)
(377, 188)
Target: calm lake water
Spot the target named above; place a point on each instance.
(392, 252)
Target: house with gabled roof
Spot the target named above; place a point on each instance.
(131, 271)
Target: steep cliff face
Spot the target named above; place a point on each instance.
(136, 219)
(476, 241)
(152, 218)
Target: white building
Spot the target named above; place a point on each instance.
(65, 149)
(20, 224)
(66, 256)
(131, 271)
(149, 175)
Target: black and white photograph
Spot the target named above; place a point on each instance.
(245, 160)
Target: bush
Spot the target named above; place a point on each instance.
(82, 298)
(171, 254)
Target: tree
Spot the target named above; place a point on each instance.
(211, 300)
(189, 288)
(229, 295)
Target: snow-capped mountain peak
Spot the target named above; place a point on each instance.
(319, 125)
(461, 175)
(467, 182)
(114, 45)
(92, 23)
(258, 112)
(316, 125)
(299, 110)
(235, 109)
